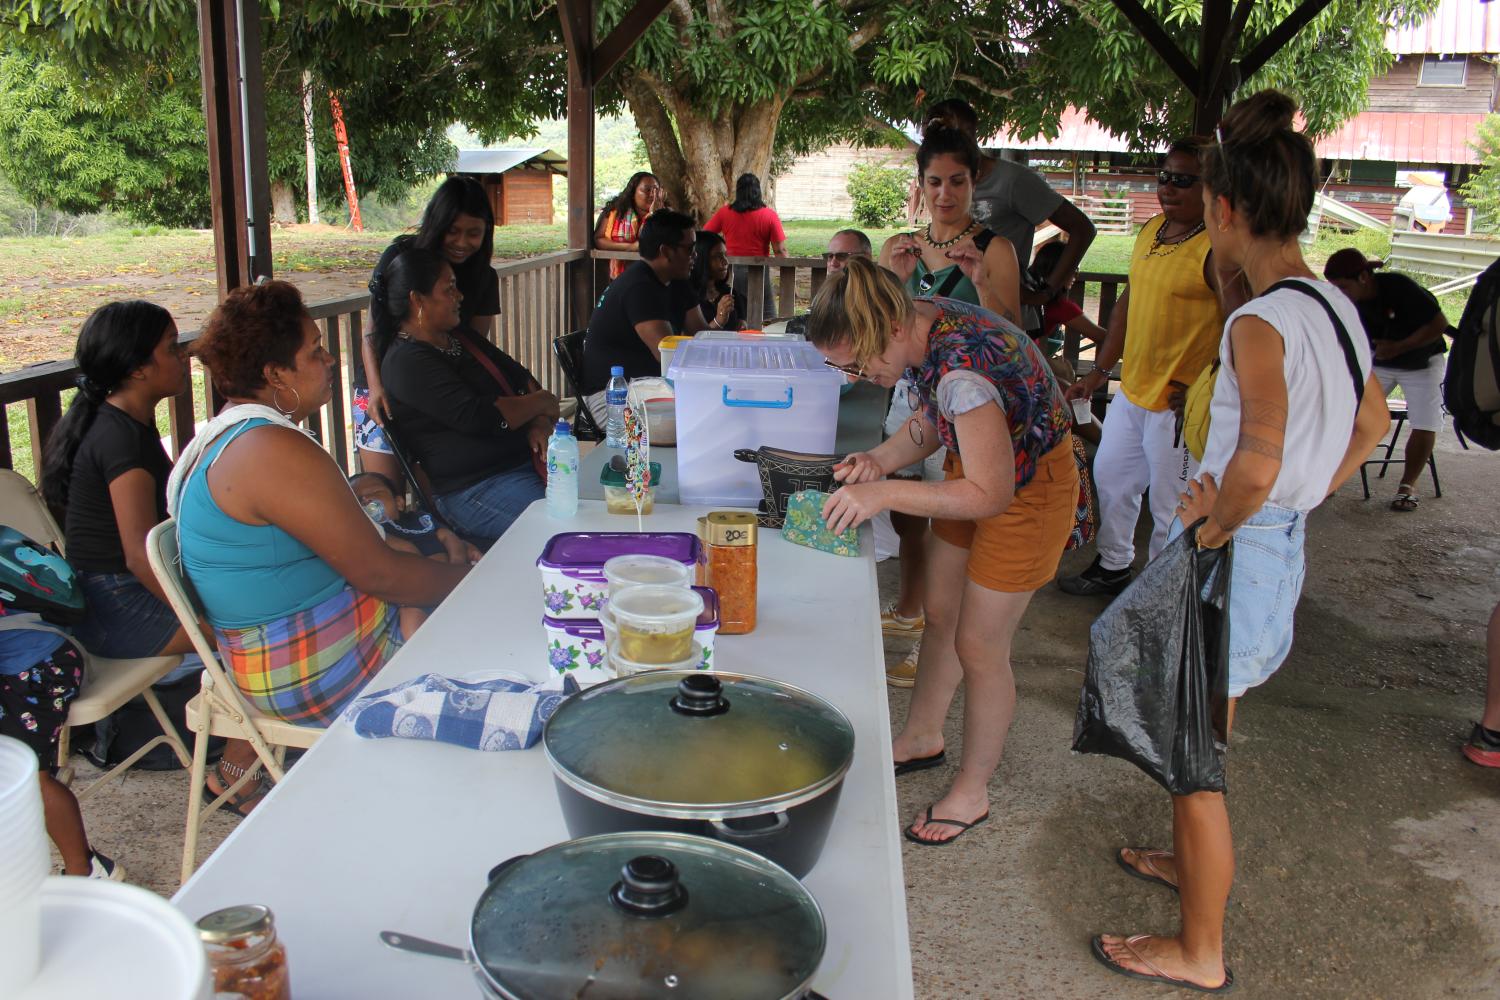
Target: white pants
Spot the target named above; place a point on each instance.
(1135, 454)
(1423, 389)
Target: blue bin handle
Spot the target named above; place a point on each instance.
(763, 404)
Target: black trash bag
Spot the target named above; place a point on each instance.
(1156, 691)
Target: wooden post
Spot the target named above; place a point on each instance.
(578, 33)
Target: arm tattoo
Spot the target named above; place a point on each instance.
(1263, 412)
(1250, 444)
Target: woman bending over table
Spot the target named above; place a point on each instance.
(459, 226)
(1288, 428)
(296, 580)
(473, 416)
(1001, 517)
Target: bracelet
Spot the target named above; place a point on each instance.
(1096, 370)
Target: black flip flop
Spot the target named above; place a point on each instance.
(1096, 945)
(242, 802)
(1135, 872)
(963, 828)
(920, 763)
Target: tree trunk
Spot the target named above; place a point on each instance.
(696, 156)
(283, 204)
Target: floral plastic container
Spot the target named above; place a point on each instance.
(708, 626)
(572, 565)
(577, 649)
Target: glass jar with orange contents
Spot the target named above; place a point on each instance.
(732, 551)
(247, 959)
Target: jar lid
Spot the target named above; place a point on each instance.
(731, 527)
(640, 915)
(234, 922)
(693, 744)
(610, 476)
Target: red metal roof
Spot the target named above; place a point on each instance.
(1403, 138)
(1077, 133)
(1457, 27)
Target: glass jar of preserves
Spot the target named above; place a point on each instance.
(732, 568)
(248, 961)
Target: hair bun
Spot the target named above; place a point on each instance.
(1258, 117)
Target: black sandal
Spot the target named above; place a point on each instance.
(243, 802)
(1406, 499)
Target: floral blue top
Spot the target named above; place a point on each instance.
(967, 341)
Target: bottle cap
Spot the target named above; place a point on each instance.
(730, 528)
(563, 428)
(616, 371)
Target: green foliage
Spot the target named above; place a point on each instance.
(879, 194)
(1482, 191)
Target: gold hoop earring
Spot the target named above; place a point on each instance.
(276, 400)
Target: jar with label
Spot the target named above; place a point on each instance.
(732, 568)
(247, 959)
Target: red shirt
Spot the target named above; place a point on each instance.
(1058, 313)
(747, 234)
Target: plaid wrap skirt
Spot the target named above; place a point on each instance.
(304, 668)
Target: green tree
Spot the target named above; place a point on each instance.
(878, 193)
(1482, 191)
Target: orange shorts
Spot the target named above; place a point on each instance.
(1018, 549)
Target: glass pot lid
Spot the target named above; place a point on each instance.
(625, 916)
(695, 744)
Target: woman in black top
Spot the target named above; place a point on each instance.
(104, 474)
(458, 226)
(720, 305)
(475, 418)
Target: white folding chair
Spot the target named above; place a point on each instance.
(107, 684)
(219, 709)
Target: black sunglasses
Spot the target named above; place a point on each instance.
(842, 255)
(1172, 177)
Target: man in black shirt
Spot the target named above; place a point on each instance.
(640, 307)
(1405, 325)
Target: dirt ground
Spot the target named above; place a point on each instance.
(1368, 850)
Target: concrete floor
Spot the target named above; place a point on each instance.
(1368, 850)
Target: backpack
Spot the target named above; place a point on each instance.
(36, 580)
(1471, 389)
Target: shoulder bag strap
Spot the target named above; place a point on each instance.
(485, 361)
(1350, 357)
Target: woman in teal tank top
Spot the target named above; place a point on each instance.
(300, 587)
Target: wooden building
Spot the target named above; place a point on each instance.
(518, 181)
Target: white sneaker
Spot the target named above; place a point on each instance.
(105, 868)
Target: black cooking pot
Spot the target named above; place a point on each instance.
(745, 760)
(638, 916)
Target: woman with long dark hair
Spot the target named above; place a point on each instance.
(720, 306)
(1295, 411)
(473, 415)
(751, 228)
(459, 226)
(619, 225)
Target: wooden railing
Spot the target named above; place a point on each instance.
(532, 315)
(534, 310)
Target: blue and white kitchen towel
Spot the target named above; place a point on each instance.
(498, 713)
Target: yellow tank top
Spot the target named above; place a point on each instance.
(1174, 324)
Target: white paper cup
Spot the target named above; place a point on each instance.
(1082, 411)
(23, 866)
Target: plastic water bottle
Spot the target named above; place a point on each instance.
(615, 394)
(562, 471)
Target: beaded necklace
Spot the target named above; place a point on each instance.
(1161, 248)
(943, 245)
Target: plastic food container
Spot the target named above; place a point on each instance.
(704, 632)
(746, 393)
(578, 649)
(656, 624)
(617, 498)
(668, 348)
(624, 667)
(643, 570)
(572, 565)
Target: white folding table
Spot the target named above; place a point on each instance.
(372, 835)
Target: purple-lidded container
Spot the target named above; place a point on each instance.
(708, 625)
(576, 648)
(572, 565)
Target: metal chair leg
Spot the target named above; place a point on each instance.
(1432, 467)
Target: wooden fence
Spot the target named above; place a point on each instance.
(533, 313)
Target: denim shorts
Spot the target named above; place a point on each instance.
(368, 435)
(1265, 583)
(122, 619)
(485, 510)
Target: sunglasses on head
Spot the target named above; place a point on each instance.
(1172, 177)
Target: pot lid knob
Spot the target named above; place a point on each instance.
(649, 887)
(700, 694)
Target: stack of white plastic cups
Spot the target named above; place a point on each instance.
(24, 863)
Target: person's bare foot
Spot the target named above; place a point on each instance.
(1149, 955)
(967, 810)
(1152, 866)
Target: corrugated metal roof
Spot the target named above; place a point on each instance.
(1077, 133)
(1404, 138)
(1456, 27)
(498, 161)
